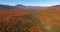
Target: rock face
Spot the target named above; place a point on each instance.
(21, 18)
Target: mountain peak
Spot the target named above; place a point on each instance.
(19, 5)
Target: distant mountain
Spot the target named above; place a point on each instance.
(23, 6)
(6, 7)
(20, 6)
(55, 6)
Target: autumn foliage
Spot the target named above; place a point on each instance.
(30, 20)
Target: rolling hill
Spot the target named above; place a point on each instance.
(22, 18)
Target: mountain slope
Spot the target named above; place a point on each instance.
(21, 18)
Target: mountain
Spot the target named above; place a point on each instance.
(19, 6)
(56, 6)
(28, 7)
(6, 7)
(21, 18)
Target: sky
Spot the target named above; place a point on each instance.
(31, 2)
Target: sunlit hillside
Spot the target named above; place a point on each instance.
(29, 18)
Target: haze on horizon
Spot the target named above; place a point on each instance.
(31, 2)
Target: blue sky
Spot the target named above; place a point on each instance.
(31, 2)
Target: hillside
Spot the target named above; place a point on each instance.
(22, 18)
